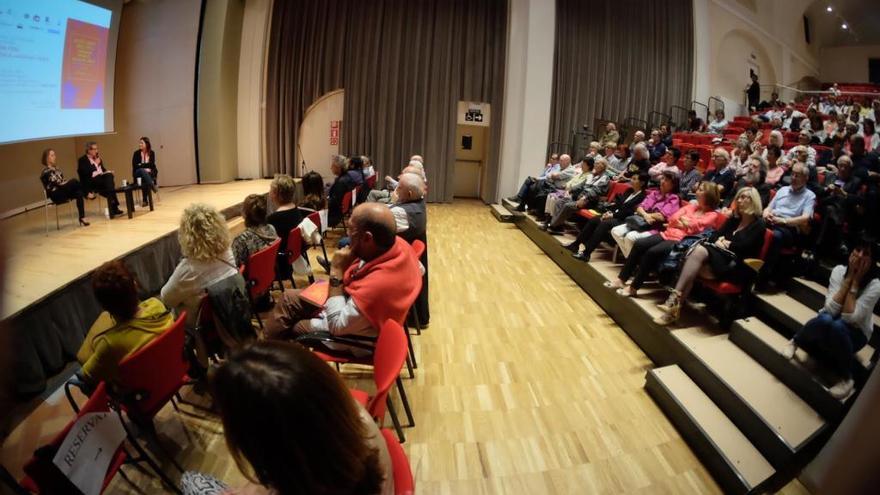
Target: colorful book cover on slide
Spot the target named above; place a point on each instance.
(85, 62)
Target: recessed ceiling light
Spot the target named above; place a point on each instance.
(828, 9)
(844, 26)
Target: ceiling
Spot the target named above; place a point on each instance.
(862, 17)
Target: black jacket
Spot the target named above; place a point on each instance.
(84, 169)
(136, 163)
(623, 208)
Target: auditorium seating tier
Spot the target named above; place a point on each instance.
(753, 417)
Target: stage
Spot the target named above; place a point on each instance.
(47, 302)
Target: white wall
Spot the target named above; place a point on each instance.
(314, 134)
(730, 37)
(527, 92)
(251, 73)
(847, 63)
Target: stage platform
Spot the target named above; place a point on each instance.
(46, 303)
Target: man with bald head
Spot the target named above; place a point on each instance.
(411, 217)
(384, 195)
(370, 282)
(536, 197)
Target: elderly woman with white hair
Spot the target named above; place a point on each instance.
(207, 258)
(723, 175)
(794, 154)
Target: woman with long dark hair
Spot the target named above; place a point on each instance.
(292, 426)
(60, 189)
(846, 322)
(143, 166)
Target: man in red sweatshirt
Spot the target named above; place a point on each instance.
(375, 279)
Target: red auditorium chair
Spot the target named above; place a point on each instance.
(730, 293)
(418, 248)
(43, 477)
(388, 359)
(371, 181)
(315, 218)
(616, 189)
(259, 273)
(294, 251)
(403, 478)
(347, 204)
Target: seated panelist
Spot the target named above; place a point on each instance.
(59, 189)
(95, 178)
(143, 166)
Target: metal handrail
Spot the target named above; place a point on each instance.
(718, 106)
(678, 107)
(654, 123)
(696, 103)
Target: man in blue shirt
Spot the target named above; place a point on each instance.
(552, 166)
(788, 215)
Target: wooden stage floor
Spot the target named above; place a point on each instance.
(37, 265)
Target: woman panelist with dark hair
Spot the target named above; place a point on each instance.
(143, 166)
(60, 189)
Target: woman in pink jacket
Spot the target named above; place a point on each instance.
(648, 252)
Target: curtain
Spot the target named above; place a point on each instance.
(619, 59)
(404, 66)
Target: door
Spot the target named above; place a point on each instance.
(470, 157)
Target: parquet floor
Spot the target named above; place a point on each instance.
(524, 384)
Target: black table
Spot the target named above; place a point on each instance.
(129, 197)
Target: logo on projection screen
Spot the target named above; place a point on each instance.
(85, 64)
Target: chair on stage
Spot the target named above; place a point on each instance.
(49, 203)
(388, 358)
(403, 477)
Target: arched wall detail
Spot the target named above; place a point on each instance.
(732, 58)
(315, 134)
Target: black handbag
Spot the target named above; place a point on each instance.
(637, 223)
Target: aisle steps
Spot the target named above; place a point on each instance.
(501, 213)
(771, 415)
(734, 462)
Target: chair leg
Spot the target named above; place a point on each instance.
(324, 248)
(154, 437)
(394, 420)
(405, 402)
(146, 458)
(409, 366)
(46, 210)
(414, 311)
(292, 282)
(412, 351)
(57, 222)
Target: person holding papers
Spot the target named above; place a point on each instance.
(95, 178)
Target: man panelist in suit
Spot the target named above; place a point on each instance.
(95, 178)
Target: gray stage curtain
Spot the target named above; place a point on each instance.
(619, 59)
(404, 65)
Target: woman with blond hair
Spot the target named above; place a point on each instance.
(207, 258)
(286, 217)
(723, 255)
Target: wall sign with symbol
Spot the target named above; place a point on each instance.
(335, 125)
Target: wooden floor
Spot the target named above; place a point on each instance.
(524, 384)
(37, 264)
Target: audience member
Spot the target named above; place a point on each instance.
(638, 163)
(292, 427)
(95, 178)
(665, 135)
(59, 189)
(598, 228)
(369, 282)
(125, 326)
(722, 175)
(771, 103)
(753, 92)
(411, 216)
(718, 125)
(648, 252)
(695, 124)
(551, 166)
(656, 148)
(658, 205)
(313, 192)
(722, 255)
(690, 176)
(666, 164)
(588, 195)
(367, 169)
(611, 135)
(788, 215)
(342, 184)
(775, 170)
(285, 218)
(791, 118)
(842, 204)
(571, 190)
(846, 322)
(257, 233)
(554, 181)
(872, 139)
(207, 259)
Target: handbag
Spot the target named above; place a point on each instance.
(667, 272)
(637, 223)
(725, 259)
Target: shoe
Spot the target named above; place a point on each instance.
(83, 222)
(626, 292)
(542, 226)
(573, 247)
(521, 207)
(609, 284)
(144, 204)
(789, 350)
(514, 199)
(556, 230)
(842, 389)
(116, 212)
(673, 302)
(155, 188)
(324, 263)
(667, 318)
(581, 257)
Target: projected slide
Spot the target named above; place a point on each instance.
(53, 68)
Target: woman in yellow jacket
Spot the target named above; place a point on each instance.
(125, 326)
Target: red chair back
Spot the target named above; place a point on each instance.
(388, 359)
(403, 478)
(765, 248)
(294, 244)
(260, 269)
(151, 376)
(616, 189)
(346, 202)
(42, 476)
(371, 181)
(315, 218)
(418, 248)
